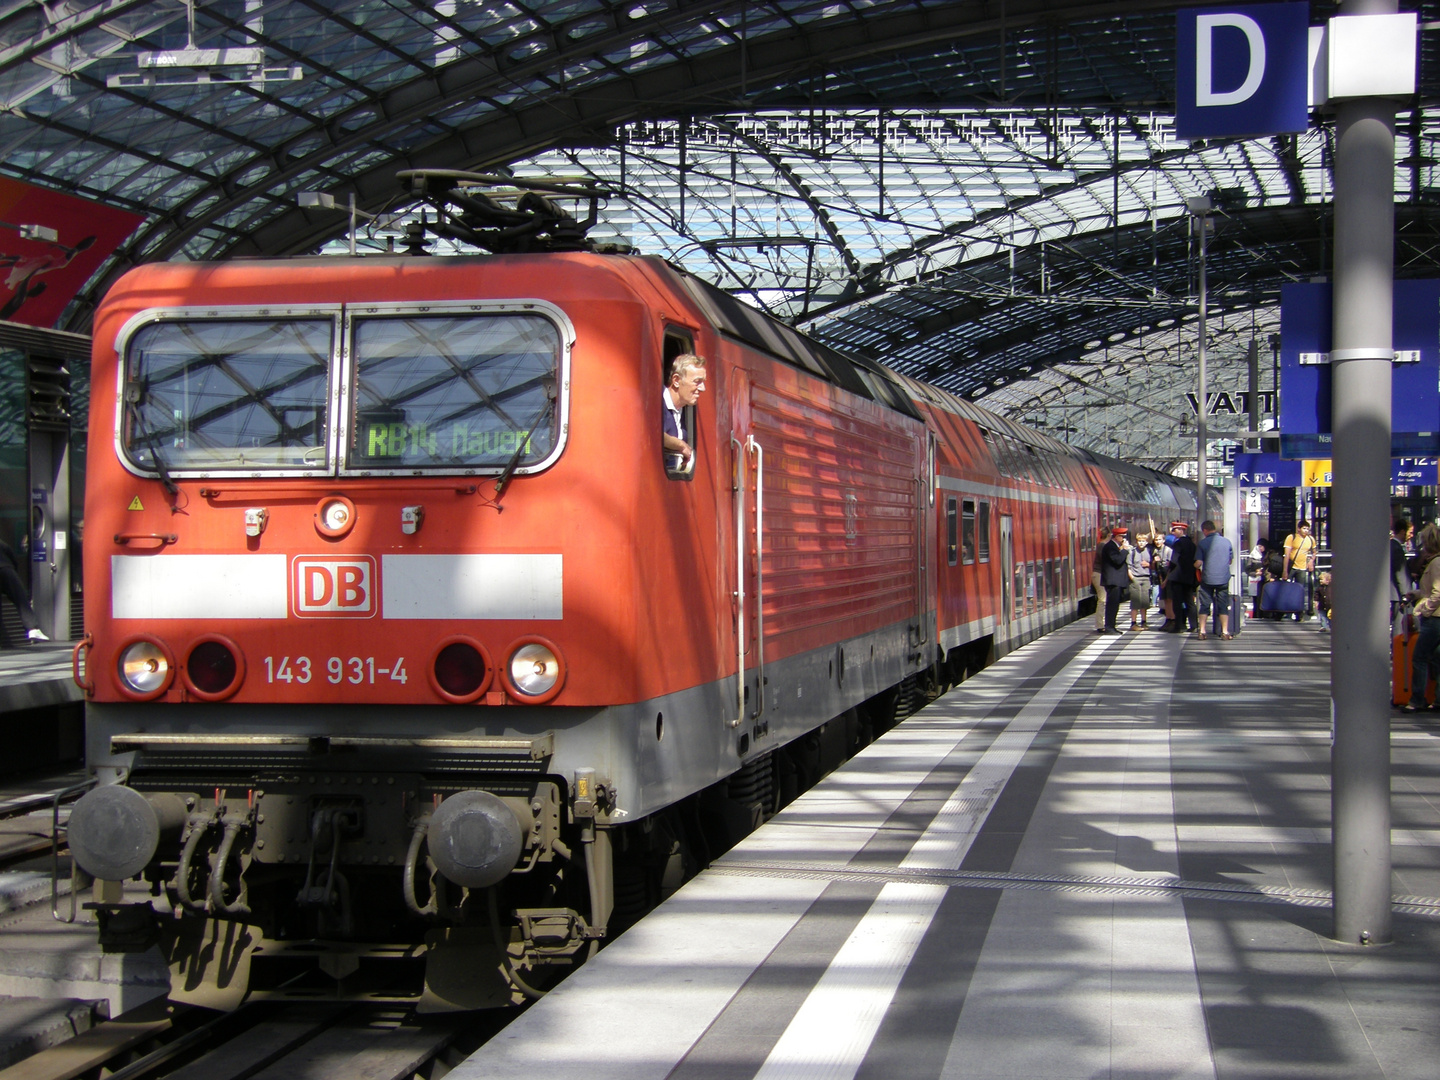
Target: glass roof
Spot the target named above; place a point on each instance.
(991, 202)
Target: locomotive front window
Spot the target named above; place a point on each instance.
(205, 394)
(454, 391)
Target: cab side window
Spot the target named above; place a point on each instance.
(681, 390)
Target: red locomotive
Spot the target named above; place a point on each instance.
(421, 665)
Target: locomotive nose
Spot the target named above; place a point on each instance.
(474, 839)
(114, 830)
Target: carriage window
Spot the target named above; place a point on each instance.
(464, 391)
(952, 545)
(967, 531)
(227, 394)
(982, 532)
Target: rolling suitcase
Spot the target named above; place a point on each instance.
(1402, 652)
(1237, 616)
(1283, 596)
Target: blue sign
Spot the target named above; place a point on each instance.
(1305, 328)
(1266, 470)
(1271, 470)
(1414, 470)
(1242, 70)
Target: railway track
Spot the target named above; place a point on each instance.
(266, 1041)
(29, 823)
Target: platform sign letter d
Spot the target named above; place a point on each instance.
(1205, 93)
(1242, 70)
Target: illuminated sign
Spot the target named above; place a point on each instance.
(458, 442)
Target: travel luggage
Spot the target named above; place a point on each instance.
(1287, 596)
(1237, 616)
(1402, 652)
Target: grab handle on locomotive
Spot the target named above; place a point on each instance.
(738, 481)
(86, 684)
(159, 539)
(759, 452)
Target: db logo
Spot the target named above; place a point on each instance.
(333, 588)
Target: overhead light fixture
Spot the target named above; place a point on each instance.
(43, 233)
(193, 66)
(322, 200)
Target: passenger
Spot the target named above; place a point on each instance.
(1160, 569)
(683, 387)
(1300, 562)
(1099, 585)
(1427, 612)
(1255, 568)
(12, 584)
(1182, 581)
(1322, 602)
(1400, 582)
(1142, 555)
(1213, 558)
(1114, 575)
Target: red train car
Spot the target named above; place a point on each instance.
(417, 661)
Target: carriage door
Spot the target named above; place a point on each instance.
(1007, 569)
(747, 483)
(1070, 570)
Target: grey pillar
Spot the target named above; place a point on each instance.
(1361, 357)
(1252, 359)
(1202, 222)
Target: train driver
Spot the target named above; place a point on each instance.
(683, 387)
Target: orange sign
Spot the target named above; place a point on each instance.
(1315, 473)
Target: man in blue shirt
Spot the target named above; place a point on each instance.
(1213, 556)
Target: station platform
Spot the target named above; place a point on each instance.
(1101, 857)
(42, 712)
(37, 675)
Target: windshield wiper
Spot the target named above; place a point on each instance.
(501, 482)
(152, 440)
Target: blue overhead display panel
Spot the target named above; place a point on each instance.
(1271, 470)
(1242, 70)
(1305, 326)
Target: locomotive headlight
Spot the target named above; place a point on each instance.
(144, 668)
(334, 516)
(535, 671)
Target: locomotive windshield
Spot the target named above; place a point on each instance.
(454, 391)
(222, 394)
(460, 390)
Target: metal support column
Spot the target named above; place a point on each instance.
(1361, 358)
(1200, 210)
